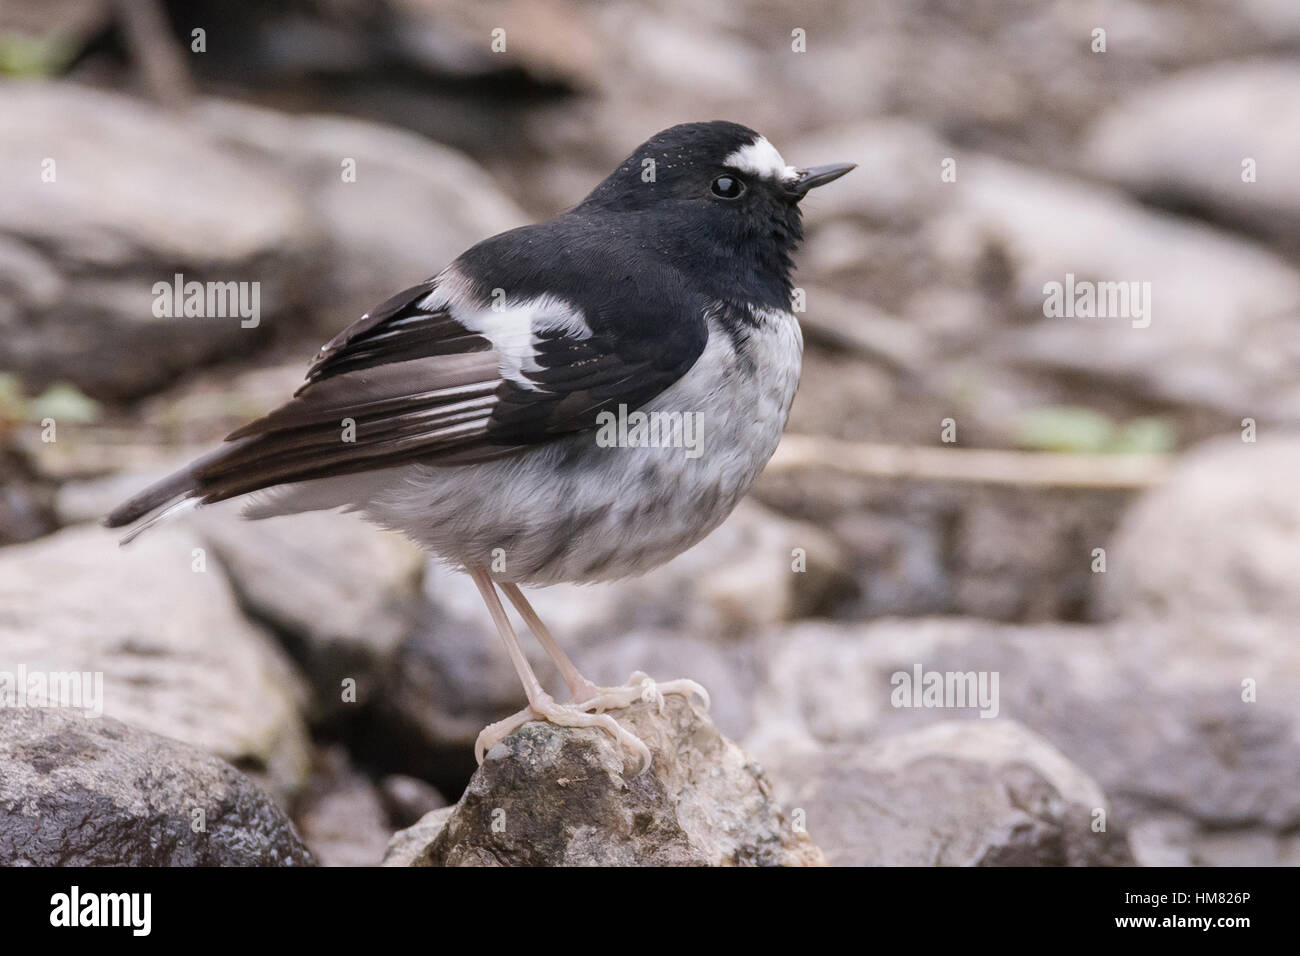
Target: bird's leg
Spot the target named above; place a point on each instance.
(587, 695)
(541, 705)
(579, 686)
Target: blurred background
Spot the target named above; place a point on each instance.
(1101, 511)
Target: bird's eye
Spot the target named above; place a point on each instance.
(728, 187)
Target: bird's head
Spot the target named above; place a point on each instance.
(718, 191)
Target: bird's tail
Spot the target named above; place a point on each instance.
(173, 495)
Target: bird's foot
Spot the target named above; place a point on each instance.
(563, 715)
(640, 687)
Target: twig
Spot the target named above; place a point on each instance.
(978, 465)
(150, 42)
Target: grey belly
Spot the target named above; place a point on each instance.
(574, 511)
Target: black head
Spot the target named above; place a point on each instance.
(719, 195)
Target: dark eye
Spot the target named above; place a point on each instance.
(728, 187)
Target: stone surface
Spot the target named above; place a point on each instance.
(562, 796)
(958, 793)
(230, 192)
(337, 591)
(1156, 712)
(407, 799)
(342, 815)
(1222, 310)
(412, 845)
(1183, 140)
(176, 655)
(83, 251)
(1218, 538)
(96, 792)
(412, 208)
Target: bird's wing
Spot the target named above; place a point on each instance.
(441, 375)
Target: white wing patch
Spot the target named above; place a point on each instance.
(515, 328)
(760, 158)
(512, 326)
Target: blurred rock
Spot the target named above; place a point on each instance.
(158, 619)
(1219, 538)
(1172, 693)
(228, 193)
(1183, 141)
(550, 796)
(337, 591)
(412, 207)
(93, 222)
(411, 846)
(959, 793)
(342, 816)
(1222, 310)
(408, 799)
(1010, 553)
(97, 792)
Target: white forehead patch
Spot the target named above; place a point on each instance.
(760, 158)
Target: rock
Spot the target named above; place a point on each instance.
(76, 791)
(408, 799)
(957, 793)
(1218, 538)
(561, 796)
(413, 206)
(1192, 717)
(410, 847)
(156, 621)
(1221, 318)
(338, 592)
(1183, 141)
(230, 193)
(342, 815)
(86, 247)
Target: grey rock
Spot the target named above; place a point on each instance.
(1221, 333)
(407, 799)
(1184, 139)
(1156, 712)
(1218, 538)
(230, 192)
(411, 846)
(176, 655)
(339, 593)
(958, 793)
(414, 205)
(561, 796)
(77, 791)
(85, 249)
(342, 815)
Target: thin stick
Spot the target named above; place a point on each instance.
(972, 465)
(144, 25)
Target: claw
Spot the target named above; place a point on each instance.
(563, 715)
(591, 713)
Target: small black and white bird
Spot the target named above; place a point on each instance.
(475, 412)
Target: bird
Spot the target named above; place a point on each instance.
(576, 400)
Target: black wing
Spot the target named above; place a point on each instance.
(434, 375)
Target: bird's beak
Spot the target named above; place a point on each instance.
(814, 176)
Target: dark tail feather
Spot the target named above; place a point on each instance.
(186, 483)
(178, 485)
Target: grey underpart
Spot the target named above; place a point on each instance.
(574, 511)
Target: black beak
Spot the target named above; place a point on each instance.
(815, 176)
